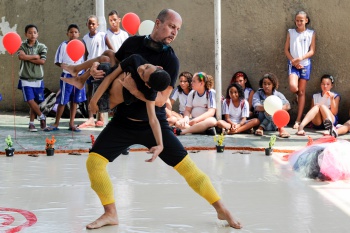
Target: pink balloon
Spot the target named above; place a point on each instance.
(12, 42)
(131, 23)
(75, 49)
(281, 118)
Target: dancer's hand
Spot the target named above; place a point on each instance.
(93, 107)
(129, 83)
(94, 72)
(155, 150)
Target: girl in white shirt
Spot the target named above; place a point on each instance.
(236, 111)
(181, 93)
(299, 47)
(199, 114)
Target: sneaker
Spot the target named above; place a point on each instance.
(43, 123)
(210, 131)
(329, 126)
(32, 128)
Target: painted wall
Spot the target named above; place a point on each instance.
(253, 37)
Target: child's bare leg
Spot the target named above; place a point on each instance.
(224, 214)
(78, 82)
(109, 217)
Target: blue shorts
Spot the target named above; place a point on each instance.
(32, 93)
(303, 73)
(69, 93)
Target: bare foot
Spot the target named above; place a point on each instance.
(224, 214)
(70, 69)
(78, 82)
(104, 220)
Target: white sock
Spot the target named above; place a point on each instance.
(42, 117)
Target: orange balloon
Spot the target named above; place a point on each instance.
(131, 23)
(12, 42)
(75, 49)
(281, 118)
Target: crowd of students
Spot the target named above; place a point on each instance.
(32, 55)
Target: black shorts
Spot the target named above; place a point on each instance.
(121, 133)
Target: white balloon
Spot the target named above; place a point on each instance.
(146, 27)
(272, 104)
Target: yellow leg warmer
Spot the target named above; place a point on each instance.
(99, 178)
(197, 179)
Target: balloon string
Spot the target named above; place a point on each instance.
(13, 99)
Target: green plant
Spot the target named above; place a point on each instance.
(272, 141)
(219, 139)
(9, 142)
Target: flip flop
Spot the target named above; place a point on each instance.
(284, 135)
(259, 132)
(50, 128)
(86, 125)
(74, 128)
(300, 133)
(99, 124)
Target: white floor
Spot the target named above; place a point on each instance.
(53, 194)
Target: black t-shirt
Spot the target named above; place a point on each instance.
(130, 64)
(166, 59)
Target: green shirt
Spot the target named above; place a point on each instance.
(28, 70)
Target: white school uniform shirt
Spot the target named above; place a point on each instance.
(319, 99)
(236, 113)
(96, 44)
(201, 104)
(117, 39)
(61, 56)
(182, 99)
(247, 91)
(300, 43)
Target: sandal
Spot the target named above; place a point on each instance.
(50, 128)
(74, 128)
(296, 125)
(284, 135)
(259, 132)
(86, 125)
(300, 133)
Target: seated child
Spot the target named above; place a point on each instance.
(199, 114)
(324, 108)
(236, 111)
(181, 93)
(268, 86)
(149, 80)
(242, 79)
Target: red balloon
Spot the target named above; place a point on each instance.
(12, 42)
(75, 49)
(131, 23)
(281, 118)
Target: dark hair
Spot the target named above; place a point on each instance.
(239, 90)
(306, 15)
(163, 15)
(30, 26)
(272, 77)
(113, 12)
(73, 26)
(159, 80)
(92, 17)
(188, 76)
(241, 74)
(327, 76)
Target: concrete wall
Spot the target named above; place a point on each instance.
(253, 37)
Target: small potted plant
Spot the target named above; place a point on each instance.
(9, 150)
(269, 150)
(219, 140)
(50, 146)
